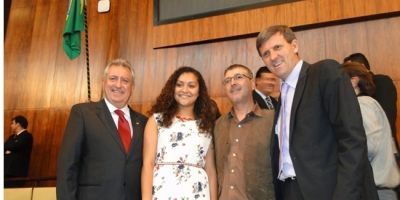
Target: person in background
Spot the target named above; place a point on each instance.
(178, 154)
(319, 147)
(379, 138)
(242, 138)
(266, 93)
(17, 149)
(385, 92)
(101, 153)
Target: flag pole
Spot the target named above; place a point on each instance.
(87, 52)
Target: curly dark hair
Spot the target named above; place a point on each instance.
(203, 109)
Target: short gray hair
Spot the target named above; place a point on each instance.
(120, 62)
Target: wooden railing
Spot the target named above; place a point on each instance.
(32, 182)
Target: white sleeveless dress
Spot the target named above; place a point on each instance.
(179, 165)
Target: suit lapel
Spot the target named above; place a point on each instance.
(136, 130)
(301, 83)
(105, 116)
(259, 100)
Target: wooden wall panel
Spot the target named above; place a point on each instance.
(299, 13)
(36, 66)
(42, 83)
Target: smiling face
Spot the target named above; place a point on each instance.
(186, 90)
(279, 55)
(118, 85)
(238, 89)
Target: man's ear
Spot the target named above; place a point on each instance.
(295, 46)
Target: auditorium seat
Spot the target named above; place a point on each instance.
(17, 193)
(38, 193)
(44, 193)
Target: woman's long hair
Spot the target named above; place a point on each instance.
(168, 107)
(366, 84)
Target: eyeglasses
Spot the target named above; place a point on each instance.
(235, 77)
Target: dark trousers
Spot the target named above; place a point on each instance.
(290, 190)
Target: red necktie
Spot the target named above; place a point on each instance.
(124, 130)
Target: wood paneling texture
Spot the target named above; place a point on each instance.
(42, 83)
(298, 13)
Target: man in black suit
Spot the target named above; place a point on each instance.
(101, 153)
(385, 92)
(17, 149)
(266, 93)
(319, 149)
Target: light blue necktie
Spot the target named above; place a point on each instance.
(284, 149)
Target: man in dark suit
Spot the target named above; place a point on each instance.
(101, 153)
(267, 89)
(17, 149)
(385, 93)
(319, 149)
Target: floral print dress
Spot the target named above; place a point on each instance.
(179, 167)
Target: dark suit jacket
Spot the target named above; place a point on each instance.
(92, 163)
(16, 164)
(261, 102)
(386, 95)
(327, 139)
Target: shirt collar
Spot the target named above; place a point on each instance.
(256, 111)
(291, 80)
(112, 108)
(20, 131)
(260, 93)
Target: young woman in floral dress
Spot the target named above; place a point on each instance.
(178, 153)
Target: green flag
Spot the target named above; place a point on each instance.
(73, 27)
